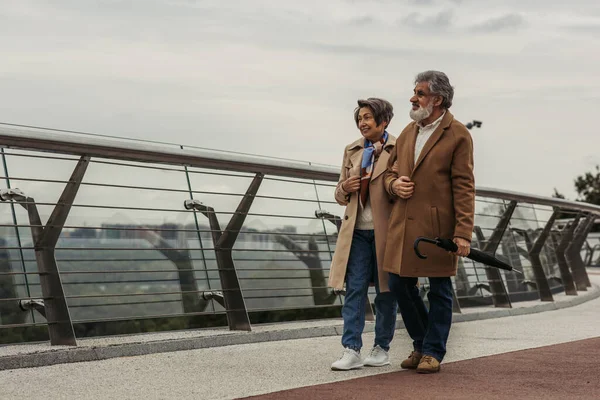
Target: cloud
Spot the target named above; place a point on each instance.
(583, 28)
(422, 2)
(509, 22)
(440, 21)
(393, 52)
(362, 21)
(427, 3)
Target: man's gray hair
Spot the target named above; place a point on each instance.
(439, 84)
(383, 111)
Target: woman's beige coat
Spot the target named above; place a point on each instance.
(381, 205)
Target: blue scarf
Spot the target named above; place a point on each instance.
(368, 161)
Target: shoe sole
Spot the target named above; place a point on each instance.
(427, 371)
(411, 367)
(347, 369)
(377, 365)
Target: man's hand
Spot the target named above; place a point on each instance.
(464, 247)
(403, 187)
(351, 184)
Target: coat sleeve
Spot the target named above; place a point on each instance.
(463, 184)
(341, 196)
(390, 175)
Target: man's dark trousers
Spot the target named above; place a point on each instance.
(428, 330)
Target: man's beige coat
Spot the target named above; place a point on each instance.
(443, 203)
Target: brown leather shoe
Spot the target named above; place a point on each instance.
(428, 365)
(412, 362)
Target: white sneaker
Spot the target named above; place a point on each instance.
(377, 358)
(350, 360)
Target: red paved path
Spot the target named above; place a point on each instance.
(564, 371)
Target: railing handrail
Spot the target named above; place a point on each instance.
(140, 151)
(541, 200)
(26, 139)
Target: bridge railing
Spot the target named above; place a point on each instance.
(103, 235)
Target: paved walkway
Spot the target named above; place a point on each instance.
(562, 371)
(258, 368)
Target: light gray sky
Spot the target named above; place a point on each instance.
(281, 77)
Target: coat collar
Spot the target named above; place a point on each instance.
(357, 148)
(382, 162)
(360, 143)
(435, 136)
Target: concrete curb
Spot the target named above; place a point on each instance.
(83, 354)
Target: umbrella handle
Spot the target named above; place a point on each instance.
(423, 239)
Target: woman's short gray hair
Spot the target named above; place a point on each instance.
(383, 111)
(438, 84)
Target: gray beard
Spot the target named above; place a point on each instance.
(422, 113)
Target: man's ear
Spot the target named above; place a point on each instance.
(438, 100)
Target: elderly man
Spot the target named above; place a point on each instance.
(431, 176)
(358, 258)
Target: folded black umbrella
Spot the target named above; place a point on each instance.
(475, 255)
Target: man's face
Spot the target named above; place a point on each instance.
(367, 125)
(422, 102)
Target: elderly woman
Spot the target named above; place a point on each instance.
(358, 258)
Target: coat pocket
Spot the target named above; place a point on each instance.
(435, 221)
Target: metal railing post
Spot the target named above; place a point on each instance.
(534, 256)
(560, 246)
(233, 298)
(55, 308)
(573, 253)
(499, 294)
